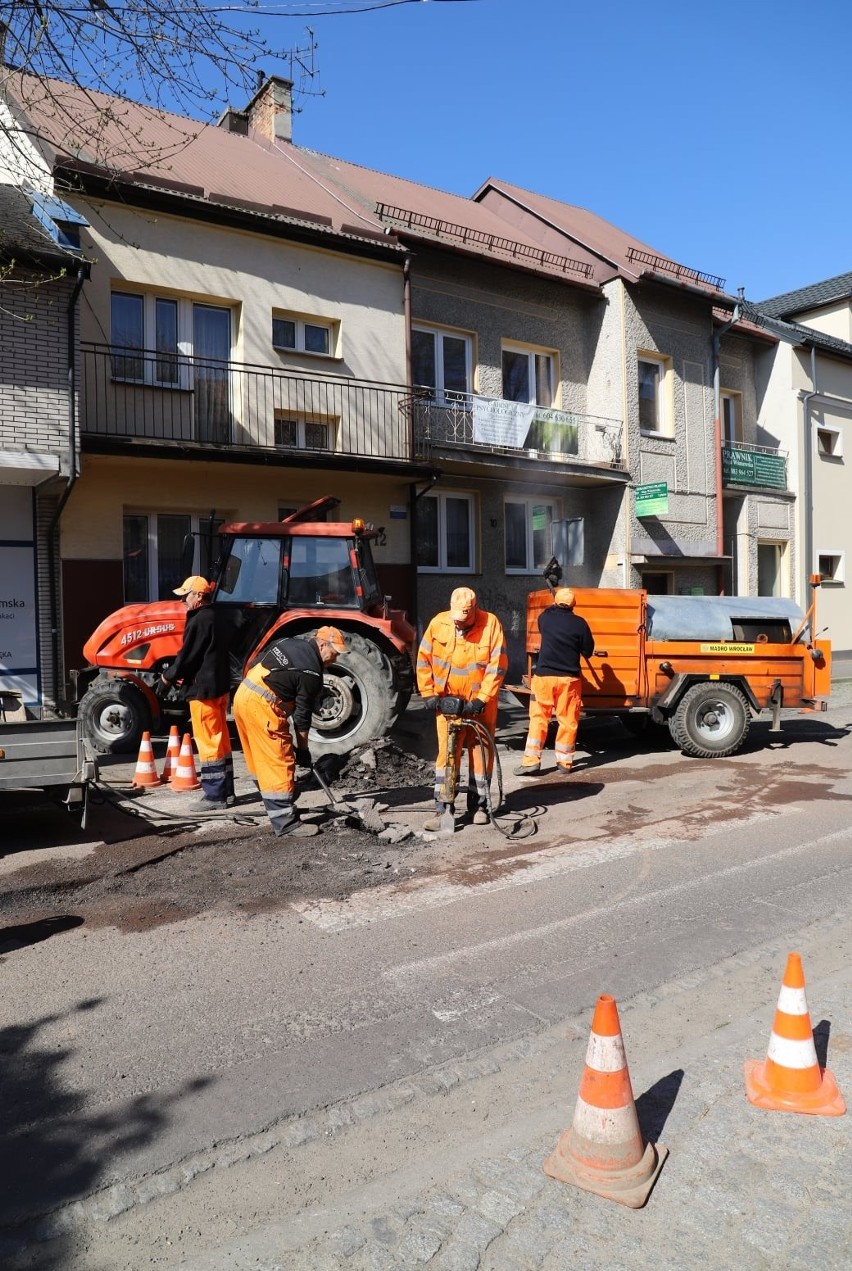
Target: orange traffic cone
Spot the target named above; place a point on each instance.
(172, 754)
(146, 768)
(603, 1151)
(184, 776)
(790, 1078)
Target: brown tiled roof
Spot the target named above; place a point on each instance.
(618, 252)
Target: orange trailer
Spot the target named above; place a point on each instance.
(701, 665)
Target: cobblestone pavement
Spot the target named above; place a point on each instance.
(742, 1188)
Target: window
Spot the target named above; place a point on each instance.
(175, 343)
(657, 583)
(303, 335)
(529, 538)
(445, 533)
(441, 361)
(769, 569)
(655, 414)
(832, 567)
(731, 405)
(829, 441)
(528, 375)
(163, 548)
(252, 572)
(304, 432)
(319, 572)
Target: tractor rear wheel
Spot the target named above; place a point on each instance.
(358, 703)
(711, 720)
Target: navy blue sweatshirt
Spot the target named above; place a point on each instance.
(565, 637)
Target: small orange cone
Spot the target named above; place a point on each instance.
(790, 1078)
(172, 754)
(603, 1151)
(146, 768)
(184, 776)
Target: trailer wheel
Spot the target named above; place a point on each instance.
(114, 716)
(358, 703)
(711, 720)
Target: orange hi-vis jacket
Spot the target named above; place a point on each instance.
(467, 664)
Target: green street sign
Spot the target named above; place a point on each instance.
(652, 499)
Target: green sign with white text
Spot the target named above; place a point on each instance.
(652, 499)
(748, 467)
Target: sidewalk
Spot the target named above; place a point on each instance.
(742, 1188)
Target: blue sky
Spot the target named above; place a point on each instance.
(716, 132)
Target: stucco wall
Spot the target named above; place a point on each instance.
(253, 274)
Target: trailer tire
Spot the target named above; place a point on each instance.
(114, 715)
(359, 702)
(711, 720)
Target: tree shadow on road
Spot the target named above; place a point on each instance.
(55, 1152)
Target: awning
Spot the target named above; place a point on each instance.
(27, 467)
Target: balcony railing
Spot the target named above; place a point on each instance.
(745, 465)
(194, 401)
(461, 421)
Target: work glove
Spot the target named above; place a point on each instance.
(474, 707)
(303, 757)
(430, 703)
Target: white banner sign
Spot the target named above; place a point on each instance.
(17, 610)
(501, 423)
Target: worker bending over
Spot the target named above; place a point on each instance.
(463, 654)
(556, 684)
(201, 666)
(284, 685)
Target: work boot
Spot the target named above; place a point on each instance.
(209, 805)
(481, 817)
(564, 767)
(434, 825)
(297, 828)
(527, 770)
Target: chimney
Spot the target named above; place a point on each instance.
(270, 111)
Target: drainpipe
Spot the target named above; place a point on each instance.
(717, 441)
(406, 309)
(805, 397)
(53, 527)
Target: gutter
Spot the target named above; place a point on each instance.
(717, 442)
(805, 397)
(53, 527)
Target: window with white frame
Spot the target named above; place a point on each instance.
(295, 334)
(831, 566)
(528, 534)
(157, 554)
(731, 405)
(304, 432)
(442, 362)
(529, 375)
(655, 409)
(446, 539)
(167, 341)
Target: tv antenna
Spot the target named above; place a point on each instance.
(304, 71)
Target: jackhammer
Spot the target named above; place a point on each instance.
(452, 708)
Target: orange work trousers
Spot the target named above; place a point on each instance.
(210, 729)
(478, 772)
(561, 695)
(263, 723)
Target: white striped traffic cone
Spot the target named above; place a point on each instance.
(185, 777)
(172, 754)
(146, 768)
(790, 1078)
(603, 1151)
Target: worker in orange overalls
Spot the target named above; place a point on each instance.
(283, 686)
(201, 666)
(463, 654)
(556, 684)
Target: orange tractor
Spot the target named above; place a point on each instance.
(701, 666)
(272, 579)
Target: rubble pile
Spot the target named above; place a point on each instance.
(380, 764)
